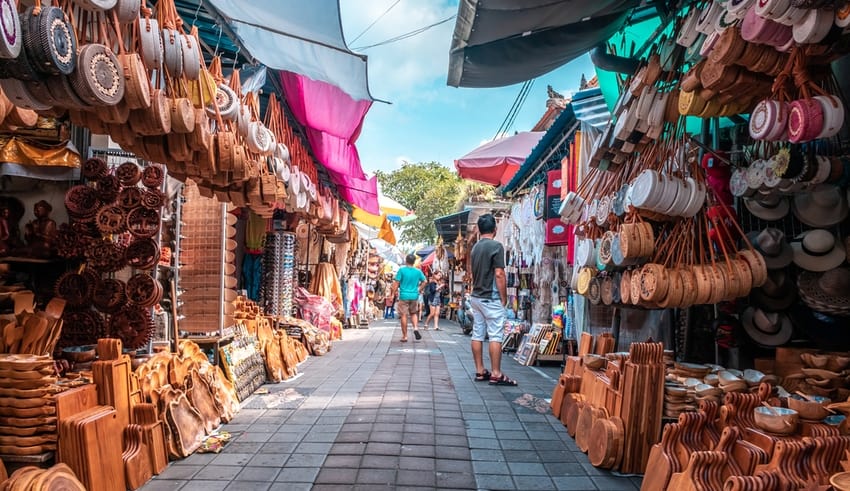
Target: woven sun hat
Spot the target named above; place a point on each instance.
(777, 294)
(769, 208)
(828, 292)
(767, 328)
(818, 250)
(772, 245)
(823, 206)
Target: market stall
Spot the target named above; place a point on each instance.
(147, 184)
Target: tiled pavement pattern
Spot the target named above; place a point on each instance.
(375, 413)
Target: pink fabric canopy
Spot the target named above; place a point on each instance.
(496, 162)
(333, 121)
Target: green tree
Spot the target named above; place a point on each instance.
(429, 189)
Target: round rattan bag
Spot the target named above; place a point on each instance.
(99, 77)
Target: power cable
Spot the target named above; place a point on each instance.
(405, 35)
(519, 101)
(376, 20)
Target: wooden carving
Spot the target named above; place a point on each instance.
(187, 425)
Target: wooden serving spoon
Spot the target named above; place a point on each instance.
(812, 399)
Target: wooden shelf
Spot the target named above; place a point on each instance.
(29, 260)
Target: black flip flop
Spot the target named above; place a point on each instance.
(417, 335)
(503, 380)
(482, 377)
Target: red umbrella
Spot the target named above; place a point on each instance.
(496, 162)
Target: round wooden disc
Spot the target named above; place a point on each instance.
(584, 427)
(601, 445)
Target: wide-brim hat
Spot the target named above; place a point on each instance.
(823, 206)
(767, 210)
(777, 294)
(828, 292)
(771, 244)
(818, 250)
(767, 329)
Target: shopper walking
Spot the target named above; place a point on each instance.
(408, 283)
(488, 300)
(434, 298)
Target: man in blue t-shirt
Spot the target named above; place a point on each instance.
(408, 283)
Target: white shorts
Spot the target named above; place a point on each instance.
(488, 319)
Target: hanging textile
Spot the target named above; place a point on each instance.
(326, 284)
(252, 263)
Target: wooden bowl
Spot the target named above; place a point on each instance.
(840, 481)
(594, 362)
(813, 410)
(79, 354)
(784, 423)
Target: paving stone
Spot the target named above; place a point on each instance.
(377, 476)
(520, 456)
(455, 453)
(418, 439)
(512, 434)
(417, 450)
(534, 482)
(494, 482)
(329, 475)
(448, 465)
(565, 469)
(486, 455)
(291, 486)
(455, 480)
(516, 444)
(377, 448)
(232, 459)
(278, 447)
(491, 443)
(418, 428)
(282, 436)
(454, 440)
(386, 436)
(393, 427)
(379, 462)
(416, 463)
(269, 460)
(320, 437)
(351, 461)
(297, 474)
(348, 448)
(349, 427)
(263, 474)
(573, 483)
(262, 427)
(321, 448)
(305, 460)
(490, 467)
(198, 485)
(163, 485)
(247, 486)
(223, 472)
(526, 468)
(180, 472)
(196, 459)
(408, 477)
(556, 456)
(610, 483)
(352, 436)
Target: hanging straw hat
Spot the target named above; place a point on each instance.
(778, 292)
(771, 243)
(818, 250)
(767, 328)
(823, 206)
(828, 292)
(769, 208)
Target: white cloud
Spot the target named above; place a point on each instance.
(400, 70)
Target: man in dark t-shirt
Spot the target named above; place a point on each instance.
(488, 300)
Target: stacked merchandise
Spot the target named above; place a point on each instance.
(207, 265)
(114, 227)
(59, 476)
(281, 353)
(278, 274)
(27, 407)
(190, 396)
(243, 363)
(613, 405)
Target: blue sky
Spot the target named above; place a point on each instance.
(427, 119)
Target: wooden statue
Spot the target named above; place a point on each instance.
(40, 233)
